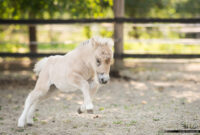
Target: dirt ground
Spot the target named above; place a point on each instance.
(161, 95)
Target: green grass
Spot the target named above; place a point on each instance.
(20, 130)
(156, 119)
(117, 122)
(57, 47)
(101, 108)
(13, 48)
(132, 123)
(161, 48)
(35, 119)
(128, 48)
(41, 47)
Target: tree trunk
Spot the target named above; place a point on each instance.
(118, 36)
(32, 39)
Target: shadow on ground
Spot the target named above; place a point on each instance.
(159, 95)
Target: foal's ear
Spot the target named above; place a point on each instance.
(110, 42)
(94, 42)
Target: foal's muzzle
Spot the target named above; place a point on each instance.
(103, 78)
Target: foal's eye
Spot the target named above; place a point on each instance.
(98, 62)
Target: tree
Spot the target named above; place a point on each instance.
(189, 8)
(51, 9)
(89, 8)
(162, 8)
(26, 9)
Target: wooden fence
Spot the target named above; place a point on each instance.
(106, 20)
(118, 21)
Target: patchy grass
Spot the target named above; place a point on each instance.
(101, 108)
(75, 126)
(43, 122)
(156, 119)
(35, 119)
(132, 123)
(20, 130)
(117, 122)
(17, 107)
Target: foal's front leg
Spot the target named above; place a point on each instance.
(93, 87)
(87, 104)
(84, 86)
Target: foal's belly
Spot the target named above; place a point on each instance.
(65, 87)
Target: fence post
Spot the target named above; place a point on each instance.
(32, 38)
(118, 34)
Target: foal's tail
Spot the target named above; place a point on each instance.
(39, 65)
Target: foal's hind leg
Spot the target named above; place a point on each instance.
(29, 117)
(41, 88)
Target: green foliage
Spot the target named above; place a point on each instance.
(87, 32)
(22, 48)
(106, 33)
(189, 8)
(56, 47)
(46, 9)
(146, 8)
(17, 9)
(136, 32)
(53, 8)
(128, 48)
(153, 32)
(162, 8)
(89, 8)
(30, 9)
(13, 47)
(156, 48)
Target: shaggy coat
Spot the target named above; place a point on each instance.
(84, 68)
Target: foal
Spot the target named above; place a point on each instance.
(84, 68)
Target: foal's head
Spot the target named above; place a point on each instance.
(103, 56)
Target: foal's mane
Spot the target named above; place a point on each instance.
(100, 40)
(84, 43)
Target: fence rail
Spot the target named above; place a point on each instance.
(165, 56)
(104, 20)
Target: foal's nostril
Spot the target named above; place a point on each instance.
(105, 82)
(102, 80)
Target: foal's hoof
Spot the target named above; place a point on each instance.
(79, 111)
(21, 123)
(30, 124)
(90, 111)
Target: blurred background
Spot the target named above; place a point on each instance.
(168, 38)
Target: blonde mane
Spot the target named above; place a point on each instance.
(100, 40)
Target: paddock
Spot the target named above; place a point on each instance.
(152, 96)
